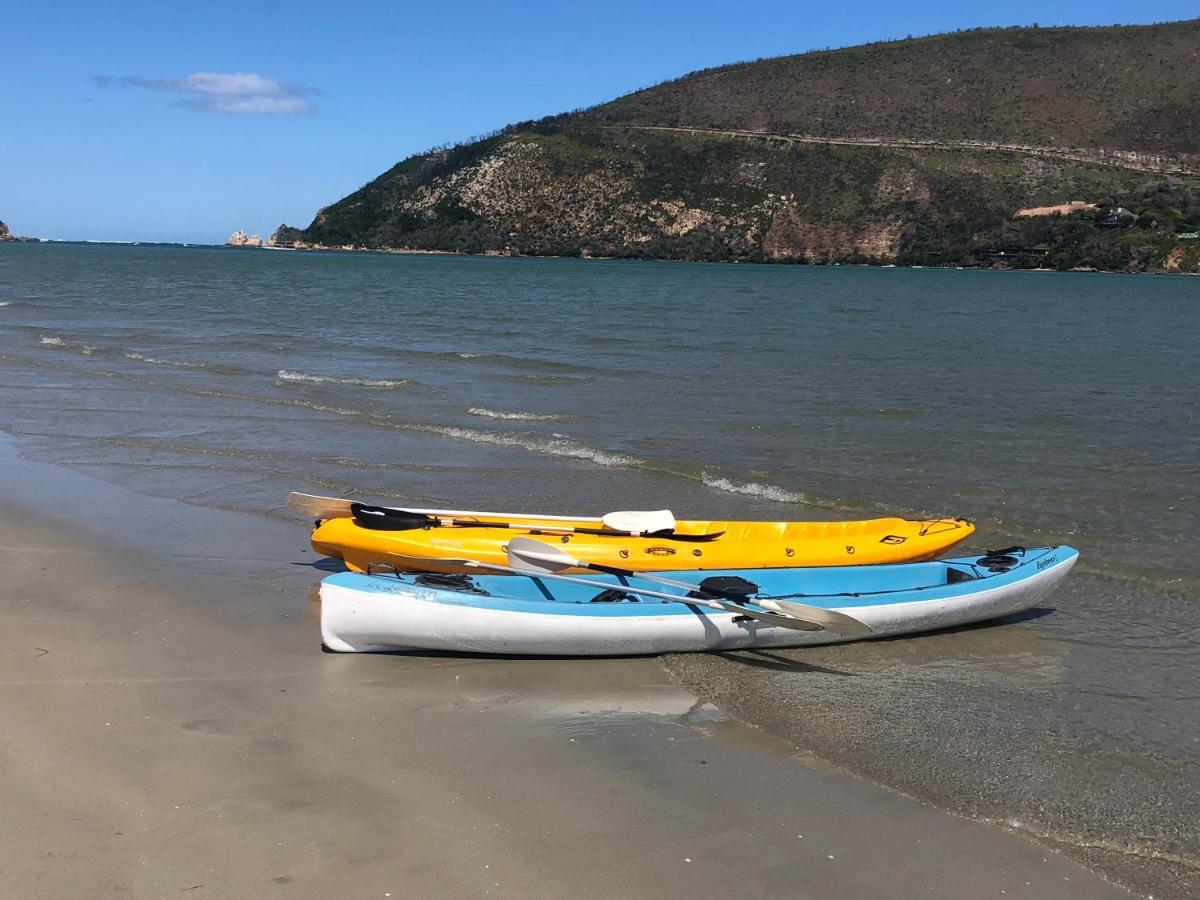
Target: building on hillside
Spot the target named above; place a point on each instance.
(1118, 217)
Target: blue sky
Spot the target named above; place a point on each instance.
(170, 121)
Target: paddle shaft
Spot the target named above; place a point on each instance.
(563, 529)
(720, 605)
(316, 507)
(385, 518)
(543, 555)
(829, 619)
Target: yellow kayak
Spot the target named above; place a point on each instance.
(688, 545)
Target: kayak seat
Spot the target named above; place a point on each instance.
(730, 587)
(445, 582)
(612, 595)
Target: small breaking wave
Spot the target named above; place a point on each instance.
(6, 302)
(542, 378)
(524, 364)
(752, 489)
(93, 350)
(556, 446)
(50, 341)
(289, 377)
(517, 416)
(178, 363)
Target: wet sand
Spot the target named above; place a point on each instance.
(1056, 723)
(172, 727)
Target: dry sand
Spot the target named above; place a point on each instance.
(172, 727)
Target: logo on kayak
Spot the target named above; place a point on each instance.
(661, 551)
(1047, 561)
(892, 539)
(849, 549)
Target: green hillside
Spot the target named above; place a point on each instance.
(970, 128)
(1130, 87)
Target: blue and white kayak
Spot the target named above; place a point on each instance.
(535, 615)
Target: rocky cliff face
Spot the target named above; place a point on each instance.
(6, 235)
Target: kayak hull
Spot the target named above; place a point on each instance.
(362, 613)
(741, 545)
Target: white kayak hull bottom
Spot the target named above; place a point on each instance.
(358, 621)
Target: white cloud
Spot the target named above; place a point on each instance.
(266, 104)
(227, 92)
(232, 83)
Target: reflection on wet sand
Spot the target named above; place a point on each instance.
(1029, 722)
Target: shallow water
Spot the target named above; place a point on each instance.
(1047, 408)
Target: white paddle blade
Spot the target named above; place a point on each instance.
(534, 556)
(639, 521)
(829, 619)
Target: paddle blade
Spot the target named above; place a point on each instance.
(829, 619)
(313, 507)
(529, 555)
(639, 522)
(782, 621)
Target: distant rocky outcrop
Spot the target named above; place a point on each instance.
(6, 235)
(240, 239)
(287, 236)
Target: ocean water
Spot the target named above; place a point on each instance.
(1047, 408)
(1044, 407)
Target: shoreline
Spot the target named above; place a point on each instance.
(177, 729)
(410, 251)
(492, 254)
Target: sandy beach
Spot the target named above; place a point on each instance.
(173, 727)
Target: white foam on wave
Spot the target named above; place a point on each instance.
(51, 341)
(289, 377)
(6, 303)
(752, 489)
(181, 363)
(160, 361)
(467, 355)
(337, 410)
(556, 446)
(516, 416)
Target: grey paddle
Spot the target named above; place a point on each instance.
(632, 522)
(721, 605)
(546, 558)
